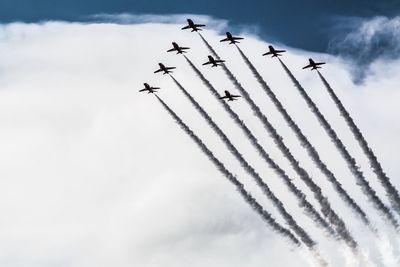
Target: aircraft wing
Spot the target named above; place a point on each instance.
(266, 54)
(158, 71)
(236, 96)
(207, 63)
(155, 88)
(237, 38)
(184, 48)
(172, 49)
(223, 97)
(170, 68)
(280, 51)
(321, 63)
(143, 90)
(186, 27)
(219, 61)
(199, 25)
(224, 40)
(308, 66)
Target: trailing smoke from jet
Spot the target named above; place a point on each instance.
(267, 217)
(301, 197)
(309, 209)
(209, 46)
(391, 191)
(252, 172)
(312, 152)
(351, 163)
(326, 209)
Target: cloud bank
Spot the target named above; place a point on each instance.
(96, 174)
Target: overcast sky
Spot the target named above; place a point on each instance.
(94, 173)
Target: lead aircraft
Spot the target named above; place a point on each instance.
(193, 26)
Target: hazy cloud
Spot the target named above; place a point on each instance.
(365, 41)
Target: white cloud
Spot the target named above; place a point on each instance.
(95, 174)
(365, 41)
(128, 18)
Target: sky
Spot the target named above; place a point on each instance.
(305, 24)
(95, 173)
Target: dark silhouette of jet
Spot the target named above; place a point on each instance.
(232, 39)
(313, 65)
(177, 48)
(149, 89)
(273, 52)
(229, 96)
(166, 70)
(193, 26)
(214, 62)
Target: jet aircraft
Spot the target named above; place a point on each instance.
(229, 96)
(273, 52)
(177, 48)
(214, 62)
(166, 70)
(149, 89)
(232, 39)
(313, 65)
(193, 26)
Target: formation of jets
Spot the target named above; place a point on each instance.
(166, 70)
(313, 65)
(216, 62)
(232, 39)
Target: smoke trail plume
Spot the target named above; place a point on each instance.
(351, 163)
(267, 217)
(312, 152)
(209, 46)
(326, 209)
(302, 201)
(391, 191)
(252, 172)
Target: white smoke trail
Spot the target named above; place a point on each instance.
(389, 254)
(391, 191)
(312, 152)
(267, 217)
(326, 209)
(303, 203)
(351, 162)
(307, 240)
